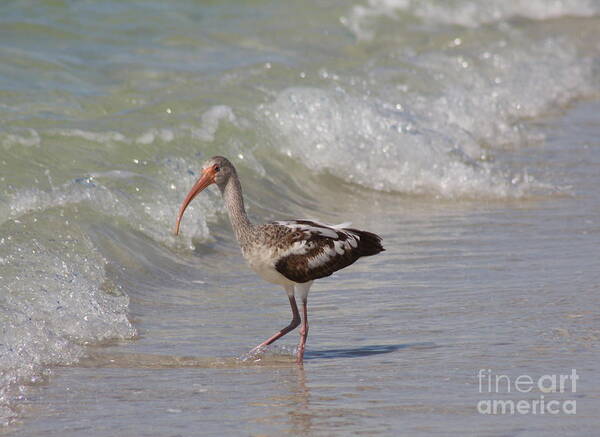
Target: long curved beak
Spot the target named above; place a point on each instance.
(207, 178)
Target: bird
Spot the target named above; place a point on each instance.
(289, 253)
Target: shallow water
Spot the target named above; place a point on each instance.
(467, 136)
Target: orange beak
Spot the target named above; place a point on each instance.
(207, 178)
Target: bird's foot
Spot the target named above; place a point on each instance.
(254, 353)
(258, 349)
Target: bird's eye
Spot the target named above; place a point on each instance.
(217, 168)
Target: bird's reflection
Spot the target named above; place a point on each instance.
(300, 414)
(296, 407)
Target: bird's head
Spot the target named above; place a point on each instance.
(217, 170)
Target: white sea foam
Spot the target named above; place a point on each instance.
(487, 92)
(209, 122)
(398, 137)
(363, 142)
(22, 137)
(148, 137)
(470, 13)
(55, 296)
(96, 137)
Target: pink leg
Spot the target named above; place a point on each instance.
(293, 325)
(303, 333)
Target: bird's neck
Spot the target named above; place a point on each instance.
(234, 201)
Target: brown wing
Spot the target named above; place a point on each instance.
(315, 251)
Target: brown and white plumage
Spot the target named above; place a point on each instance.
(290, 253)
(314, 250)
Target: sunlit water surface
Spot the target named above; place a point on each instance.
(467, 135)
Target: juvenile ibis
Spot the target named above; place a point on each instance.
(291, 253)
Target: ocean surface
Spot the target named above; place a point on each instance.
(466, 133)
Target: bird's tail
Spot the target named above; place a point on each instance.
(369, 243)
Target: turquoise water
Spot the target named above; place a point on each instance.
(465, 133)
